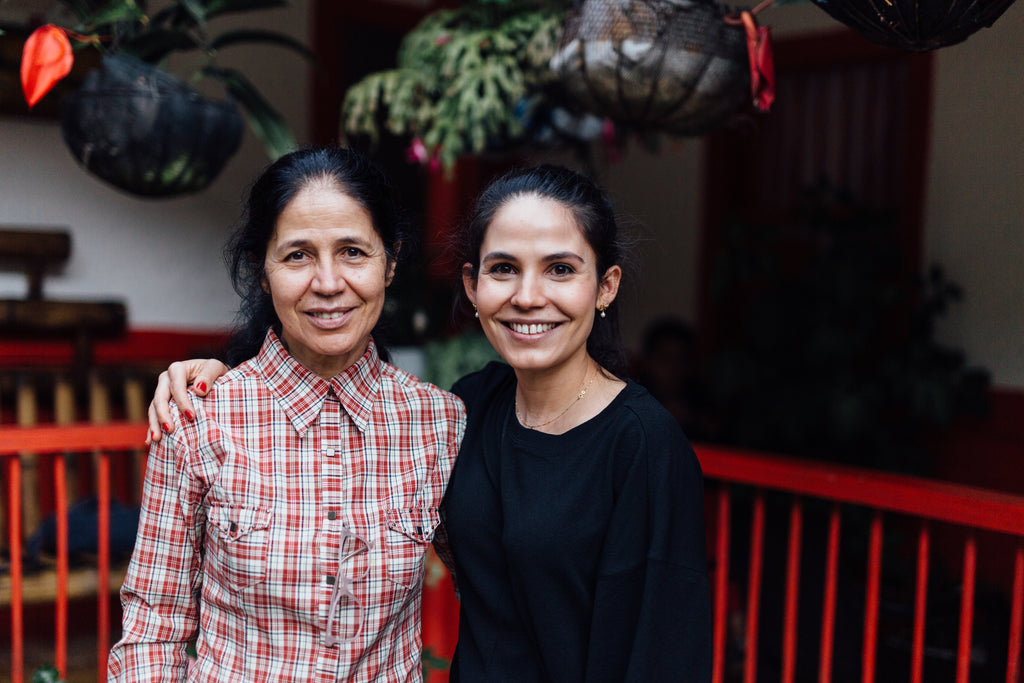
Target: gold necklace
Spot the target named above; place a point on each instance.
(583, 392)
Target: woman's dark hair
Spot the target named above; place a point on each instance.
(348, 171)
(596, 219)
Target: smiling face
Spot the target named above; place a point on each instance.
(537, 286)
(326, 271)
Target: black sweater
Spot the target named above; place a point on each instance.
(580, 556)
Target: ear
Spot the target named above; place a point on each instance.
(469, 282)
(608, 288)
(389, 276)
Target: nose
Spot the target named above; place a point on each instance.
(328, 279)
(529, 292)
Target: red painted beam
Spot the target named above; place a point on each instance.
(927, 498)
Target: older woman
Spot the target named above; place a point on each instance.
(574, 512)
(284, 523)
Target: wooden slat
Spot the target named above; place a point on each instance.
(51, 246)
(28, 413)
(105, 318)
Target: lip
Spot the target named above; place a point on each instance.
(529, 329)
(329, 319)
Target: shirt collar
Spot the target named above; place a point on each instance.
(301, 392)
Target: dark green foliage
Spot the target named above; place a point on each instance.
(826, 346)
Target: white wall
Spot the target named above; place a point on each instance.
(163, 257)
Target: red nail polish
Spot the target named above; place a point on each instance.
(167, 426)
(190, 415)
(201, 386)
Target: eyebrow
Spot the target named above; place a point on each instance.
(558, 256)
(346, 239)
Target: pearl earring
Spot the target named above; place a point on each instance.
(602, 309)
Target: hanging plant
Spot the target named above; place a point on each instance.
(469, 80)
(133, 123)
(674, 67)
(915, 25)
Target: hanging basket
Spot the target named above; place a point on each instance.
(668, 65)
(915, 25)
(146, 132)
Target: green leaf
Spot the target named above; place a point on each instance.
(215, 8)
(195, 9)
(155, 45)
(268, 125)
(229, 38)
(115, 14)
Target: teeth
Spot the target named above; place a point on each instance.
(327, 316)
(532, 329)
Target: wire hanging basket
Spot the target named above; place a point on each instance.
(915, 25)
(146, 132)
(675, 66)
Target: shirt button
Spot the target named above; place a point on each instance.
(234, 527)
(331, 514)
(329, 579)
(329, 452)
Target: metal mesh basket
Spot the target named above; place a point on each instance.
(670, 65)
(146, 132)
(915, 25)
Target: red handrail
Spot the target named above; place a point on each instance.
(927, 500)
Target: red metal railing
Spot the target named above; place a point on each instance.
(923, 500)
(727, 471)
(97, 441)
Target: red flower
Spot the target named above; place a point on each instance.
(46, 58)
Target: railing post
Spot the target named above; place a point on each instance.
(828, 615)
(871, 598)
(754, 589)
(792, 591)
(722, 531)
(920, 604)
(1016, 616)
(963, 659)
(14, 533)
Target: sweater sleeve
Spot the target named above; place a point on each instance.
(160, 593)
(652, 611)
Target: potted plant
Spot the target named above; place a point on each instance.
(133, 122)
(470, 80)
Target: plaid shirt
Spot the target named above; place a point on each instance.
(244, 512)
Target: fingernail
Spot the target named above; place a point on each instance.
(200, 386)
(190, 415)
(167, 426)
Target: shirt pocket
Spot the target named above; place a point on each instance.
(239, 544)
(407, 536)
